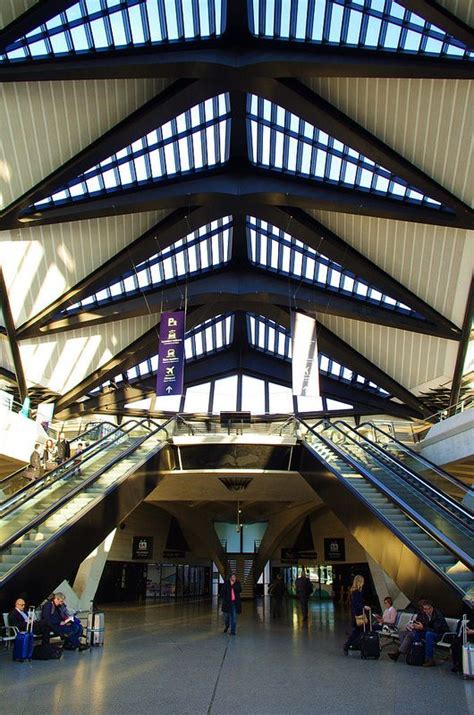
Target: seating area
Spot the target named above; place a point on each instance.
(391, 634)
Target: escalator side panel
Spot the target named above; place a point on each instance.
(414, 577)
(64, 554)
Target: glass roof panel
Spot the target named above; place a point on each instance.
(382, 25)
(89, 27)
(202, 250)
(277, 251)
(269, 337)
(177, 147)
(281, 141)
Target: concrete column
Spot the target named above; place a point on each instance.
(386, 586)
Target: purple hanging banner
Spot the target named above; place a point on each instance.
(169, 378)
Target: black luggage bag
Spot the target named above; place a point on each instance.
(369, 641)
(47, 651)
(416, 652)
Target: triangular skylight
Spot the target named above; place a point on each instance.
(92, 26)
(364, 24)
(207, 338)
(283, 142)
(208, 247)
(271, 338)
(196, 139)
(278, 251)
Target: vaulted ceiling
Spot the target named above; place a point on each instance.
(242, 160)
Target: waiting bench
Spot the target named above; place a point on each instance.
(404, 618)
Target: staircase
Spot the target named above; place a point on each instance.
(242, 565)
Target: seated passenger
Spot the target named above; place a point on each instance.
(413, 631)
(389, 616)
(19, 619)
(69, 627)
(430, 626)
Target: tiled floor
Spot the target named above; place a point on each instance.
(174, 659)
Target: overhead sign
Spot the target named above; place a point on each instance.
(334, 550)
(304, 362)
(142, 547)
(170, 375)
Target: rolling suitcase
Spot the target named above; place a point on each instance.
(23, 644)
(416, 652)
(467, 652)
(95, 628)
(369, 641)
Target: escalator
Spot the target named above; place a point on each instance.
(397, 451)
(20, 480)
(420, 535)
(48, 529)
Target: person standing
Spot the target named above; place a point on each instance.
(277, 591)
(35, 467)
(63, 450)
(304, 589)
(358, 617)
(49, 456)
(231, 603)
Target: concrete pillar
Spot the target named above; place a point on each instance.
(386, 586)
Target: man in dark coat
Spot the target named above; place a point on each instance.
(277, 591)
(19, 619)
(435, 627)
(63, 449)
(231, 604)
(304, 589)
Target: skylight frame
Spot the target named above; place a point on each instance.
(164, 153)
(91, 27)
(280, 249)
(354, 24)
(150, 275)
(281, 141)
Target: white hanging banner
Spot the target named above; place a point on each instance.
(305, 363)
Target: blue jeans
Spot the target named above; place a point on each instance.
(431, 638)
(230, 618)
(71, 632)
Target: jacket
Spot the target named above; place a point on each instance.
(304, 588)
(357, 603)
(53, 615)
(437, 622)
(226, 596)
(16, 619)
(63, 450)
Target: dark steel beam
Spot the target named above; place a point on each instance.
(317, 236)
(157, 238)
(306, 104)
(440, 16)
(38, 14)
(463, 346)
(174, 100)
(12, 338)
(245, 187)
(211, 60)
(236, 285)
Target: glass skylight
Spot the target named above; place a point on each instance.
(196, 139)
(92, 26)
(271, 248)
(283, 142)
(271, 338)
(365, 24)
(208, 247)
(205, 339)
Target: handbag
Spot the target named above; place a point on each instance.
(361, 620)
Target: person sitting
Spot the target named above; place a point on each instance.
(435, 627)
(413, 631)
(389, 616)
(19, 619)
(68, 627)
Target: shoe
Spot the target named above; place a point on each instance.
(455, 669)
(429, 663)
(226, 629)
(394, 656)
(346, 651)
(82, 647)
(68, 646)
(232, 634)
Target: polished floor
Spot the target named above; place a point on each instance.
(174, 659)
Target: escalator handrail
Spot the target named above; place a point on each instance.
(449, 477)
(12, 502)
(77, 437)
(46, 513)
(419, 520)
(425, 558)
(457, 506)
